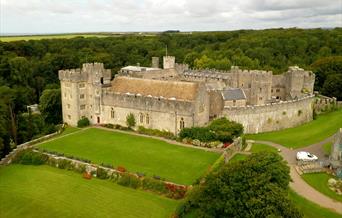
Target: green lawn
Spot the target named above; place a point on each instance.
(137, 154)
(310, 209)
(261, 147)
(238, 157)
(327, 148)
(39, 37)
(320, 182)
(315, 131)
(69, 130)
(44, 191)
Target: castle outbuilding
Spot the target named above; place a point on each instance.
(174, 97)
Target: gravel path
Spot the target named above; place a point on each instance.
(298, 184)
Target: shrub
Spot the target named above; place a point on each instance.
(130, 120)
(64, 164)
(87, 175)
(101, 173)
(156, 132)
(129, 181)
(83, 122)
(201, 133)
(29, 157)
(154, 185)
(121, 169)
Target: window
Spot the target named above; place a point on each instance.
(234, 102)
(101, 80)
(70, 95)
(81, 85)
(112, 113)
(147, 119)
(81, 96)
(249, 85)
(69, 117)
(68, 106)
(64, 95)
(272, 90)
(82, 107)
(277, 90)
(181, 123)
(141, 117)
(260, 89)
(260, 98)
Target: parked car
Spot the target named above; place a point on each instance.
(306, 156)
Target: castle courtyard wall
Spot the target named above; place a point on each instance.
(271, 117)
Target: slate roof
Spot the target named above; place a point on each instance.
(233, 94)
(157, 88)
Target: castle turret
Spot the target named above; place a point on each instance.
(169, 62)
(81, 92)
(299, 82)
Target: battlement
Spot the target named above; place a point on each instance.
(90, 72)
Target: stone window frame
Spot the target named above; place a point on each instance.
(181, 123)
(112, 113)
(141, 118)
(147, 119)
(81, 85)
(68, 106)
(82, 96)
(82, 107)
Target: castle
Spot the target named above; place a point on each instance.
(174, 97)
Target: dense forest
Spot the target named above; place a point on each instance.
(29, 69)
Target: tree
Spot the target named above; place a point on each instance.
(50, 106)
(130, 120)
(332, 86)
(255, 187)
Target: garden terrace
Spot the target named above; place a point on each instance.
(152, 157)
(44, 191)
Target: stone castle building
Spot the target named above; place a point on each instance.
(174, 97)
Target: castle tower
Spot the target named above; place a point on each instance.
(169, 62)
(155, 62)
(299, 82)
(81, 92)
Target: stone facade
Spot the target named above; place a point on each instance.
(175, 97)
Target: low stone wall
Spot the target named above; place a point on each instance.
(272, 117)
(9, 157)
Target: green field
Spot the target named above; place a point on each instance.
(137, 154)
(320, 182)
(327, 148)
(315, 131)
(261, 147)
(310, 209)
(44, 191)
(39, 37)
(238, 157)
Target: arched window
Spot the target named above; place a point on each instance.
(141, 117)
(147, 119)
(112, 113)
(181, 123)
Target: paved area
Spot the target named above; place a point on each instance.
(298, 184)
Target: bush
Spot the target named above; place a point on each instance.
(101, 173)
(64, 164)
(121, 169)
(156, 132)
(83, 122)
(29, 157)
(129, 181)
(220, 129)
(154, 185)
(130, 120)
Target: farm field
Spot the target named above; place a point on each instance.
(136, 153)
(315, 131)
(320, 182)
(44, 191)
(39, 37)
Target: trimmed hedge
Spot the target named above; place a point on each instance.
(156, 132)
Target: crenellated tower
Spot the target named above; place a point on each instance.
(81, 92)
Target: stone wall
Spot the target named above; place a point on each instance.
(163, 114)
(272, 117)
